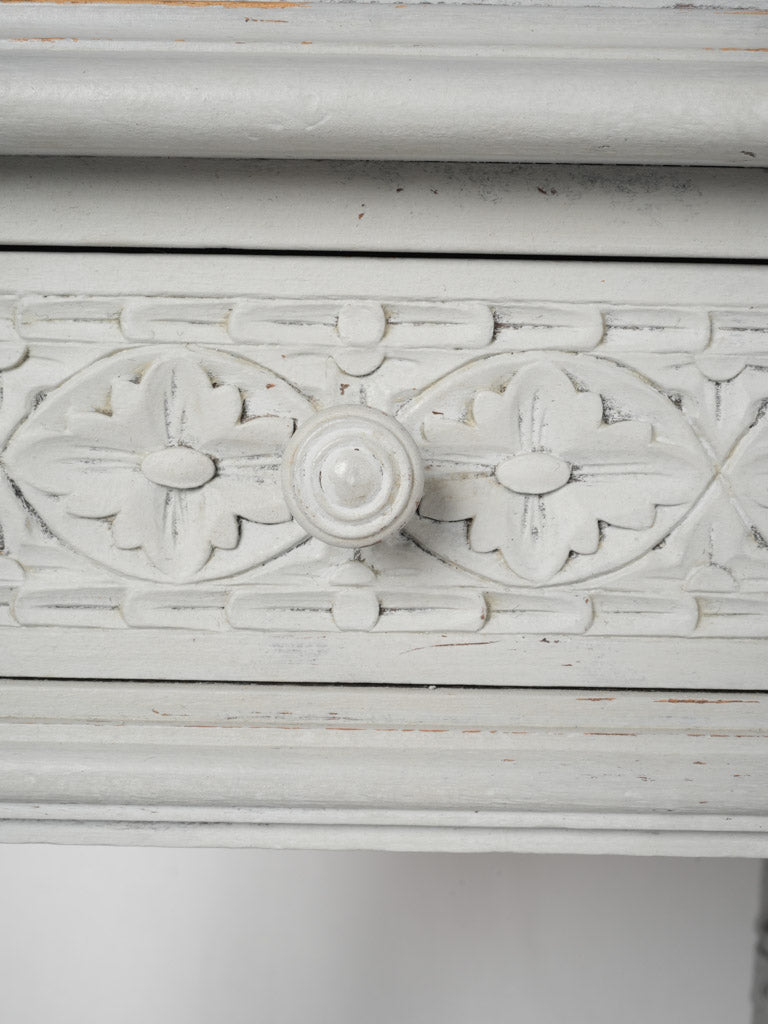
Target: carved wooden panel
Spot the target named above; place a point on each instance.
(380, 464)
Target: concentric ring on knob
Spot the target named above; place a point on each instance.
(352, 475)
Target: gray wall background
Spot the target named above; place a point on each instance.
(112, 936)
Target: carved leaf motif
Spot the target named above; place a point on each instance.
(169, 462)
(747, 470)
(535, 468)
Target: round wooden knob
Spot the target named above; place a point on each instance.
(352, 476)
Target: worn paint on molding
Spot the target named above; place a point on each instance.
(261, 4)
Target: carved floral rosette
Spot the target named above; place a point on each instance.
(150, 463)
(562, 469)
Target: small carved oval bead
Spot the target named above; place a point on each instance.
(362, 323)
(533, 473)
(178, 467)
(352, 476)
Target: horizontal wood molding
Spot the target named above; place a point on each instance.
(384, 768)
(350, 206)
(384, 81)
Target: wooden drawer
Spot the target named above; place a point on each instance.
(518, 505)
(385, 470)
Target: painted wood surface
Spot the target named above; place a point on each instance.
(510, 209)
(223, 5)
(420, 82)
(387, 768)
(590, 436)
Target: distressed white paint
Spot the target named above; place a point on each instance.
(421, 82)
(594, 456)
(386, 207)
(535, 463)
(145, 443)
(594, 495)
(187, 442)
(470, 769)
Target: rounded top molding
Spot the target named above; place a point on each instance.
(352, 476)
(399, 87)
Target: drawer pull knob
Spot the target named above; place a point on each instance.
(352, 476)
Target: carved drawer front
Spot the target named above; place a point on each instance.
(378, 470)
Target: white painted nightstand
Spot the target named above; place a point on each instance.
(349, 352)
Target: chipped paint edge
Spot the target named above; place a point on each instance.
(65, 62)
(388, 768)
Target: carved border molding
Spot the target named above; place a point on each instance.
(592, 439)
(653, 418)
